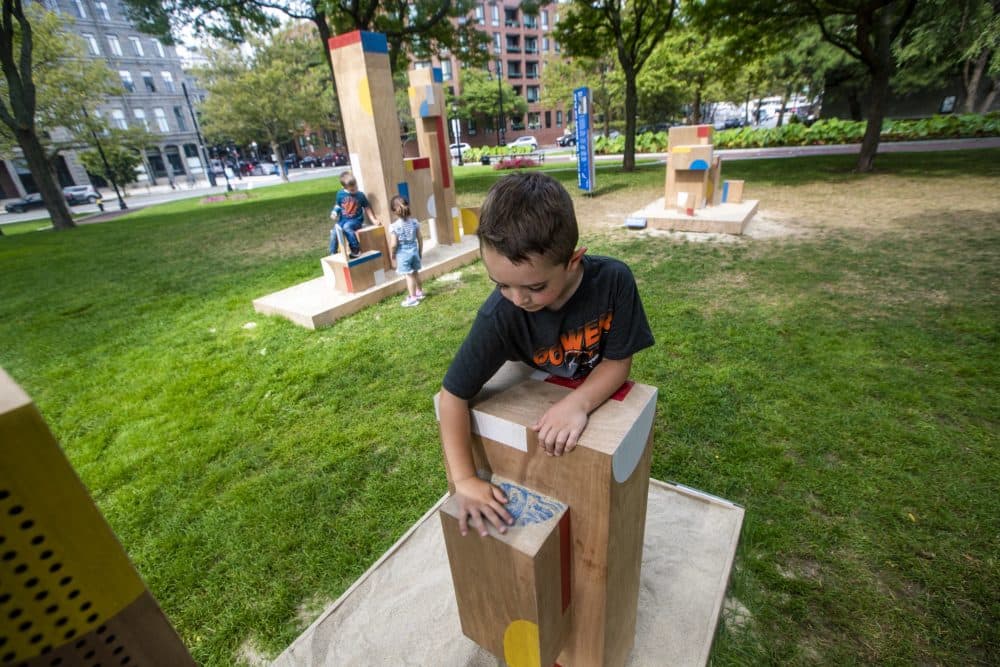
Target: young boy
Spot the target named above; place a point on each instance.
(349, 214)
(555, 309)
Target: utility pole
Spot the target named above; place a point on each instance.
(501, 121)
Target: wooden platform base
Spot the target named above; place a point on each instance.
(315, 304)
(403, 609)
(721, 219)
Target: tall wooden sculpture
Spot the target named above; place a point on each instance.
(68, 594)
(427, 104)
(564, 585)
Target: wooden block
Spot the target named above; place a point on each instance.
(420, 188)
(688, 135)
(56, 542)
(373, 238)
(424, 102)
(695, 158)
(714, 194)
(732, 192)
(470, 219)
(670, 189)
(514, 589)
(432, 140)
(604, 480)
(691, 188)
(350, 276)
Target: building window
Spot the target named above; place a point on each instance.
(513, 44)
(159, 48)
(137, 46)
(531, 22)
(102, 9)
(531, 45)
(147, 78)
(92, 46)
(545, 20)
(510, 18)
(190, 150)
(140, 117)
(513, 69)
(532, 95)
(534, 120)
(548, 119)
(127, 82)
(446, 70)
(531, 70)
(161, 119)
(168, 82)
(545, 44)
(116, 46)
(495, 15)
(480, 15)
(558, 118)
(118, 117)
(496, 42)
(81, 12)
(470, 127)
(555, 46)
(179, 117)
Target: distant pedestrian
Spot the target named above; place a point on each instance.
(100, 202)
(349, 213)
(406, 248)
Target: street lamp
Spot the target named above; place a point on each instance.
(501, 121)
(256, 156)
(225, 173)
(104, 159)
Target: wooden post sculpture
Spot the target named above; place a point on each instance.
(68, 593)
(427, 104)
(689, 168)
(604, 484)
(368, 109)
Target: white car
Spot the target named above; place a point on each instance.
(80, 194)
(525, 141)
(455, 148)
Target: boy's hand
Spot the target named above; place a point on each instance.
(560, 427)
(479, 501)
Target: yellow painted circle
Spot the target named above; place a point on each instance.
(520, 644)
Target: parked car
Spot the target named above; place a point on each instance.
(80, 194)
(526, 140)
(264, 169)
(291, 161)
(566, 140)
(22, 205)
(335, 159)
(455, 148)
(309, 161)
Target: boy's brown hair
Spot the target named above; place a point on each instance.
(529, 214)
(347, 179)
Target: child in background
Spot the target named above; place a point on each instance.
(349, 214)
(405, 248)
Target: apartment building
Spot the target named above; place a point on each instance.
(151, 96)
(519, 44)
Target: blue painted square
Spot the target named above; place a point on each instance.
(437, 75)
(374, 42)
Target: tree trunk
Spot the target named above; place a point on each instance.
(276, 149)
(854, 105)
(876, 113)
(990, 96)
(631, 104)
(45, 178)
(972, 74)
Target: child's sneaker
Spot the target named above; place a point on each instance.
(410, 301)
(420, 294)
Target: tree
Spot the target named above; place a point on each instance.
(601, 75)
(121, 163)
(951, 37)
(279, 89)
(481, 96)
(44, 93)
(865, 30)
(630, 30)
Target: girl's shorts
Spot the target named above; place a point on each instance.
(407, 261)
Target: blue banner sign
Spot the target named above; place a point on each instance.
(584, 140)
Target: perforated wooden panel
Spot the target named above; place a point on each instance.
(68, 593)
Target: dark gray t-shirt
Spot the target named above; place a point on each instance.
(603, 319)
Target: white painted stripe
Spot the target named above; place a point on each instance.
(627, 456)
(500, 430)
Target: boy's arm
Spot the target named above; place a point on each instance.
(371, 216)
(479, 501)
(560, 427)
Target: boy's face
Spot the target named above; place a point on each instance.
(534, 284)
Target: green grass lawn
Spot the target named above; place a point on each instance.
(842, 386)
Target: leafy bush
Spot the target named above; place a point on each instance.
(476, 154)
(824, 132)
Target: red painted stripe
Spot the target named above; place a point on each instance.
(340, 41)
(565, 557)
(444, 156)
(418, 163)
(347, 280)
(703, 130)
(570, 383)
